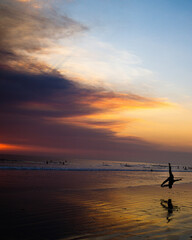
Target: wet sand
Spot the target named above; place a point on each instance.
(93, 205)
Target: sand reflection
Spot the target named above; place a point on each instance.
(135, 213)
(92, 205)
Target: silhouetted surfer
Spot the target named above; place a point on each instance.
(170, 179)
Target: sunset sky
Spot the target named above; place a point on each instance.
(96, 79)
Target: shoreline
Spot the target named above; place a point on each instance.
(37, 168)
(89, 165)
(84, 169)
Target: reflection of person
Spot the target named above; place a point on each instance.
(169, 207)
(170, 179)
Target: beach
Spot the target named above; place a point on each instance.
(94, 205)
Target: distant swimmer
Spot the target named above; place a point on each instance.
(170, 179)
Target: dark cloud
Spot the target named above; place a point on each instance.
(61, 98)
(21, 87)
(60, 95)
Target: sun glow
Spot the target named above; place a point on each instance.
(10, 147)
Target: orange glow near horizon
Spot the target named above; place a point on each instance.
(10, 147)
(14, 148)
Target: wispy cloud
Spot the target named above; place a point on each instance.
(96, 63)
(26, 30)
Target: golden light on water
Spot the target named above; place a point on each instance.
(140, 211)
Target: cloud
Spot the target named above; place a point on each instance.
(95, 63)
(29, 91)
(25, 29)
(36, 135)
(47, 112)
(44, 111)
(46, 94)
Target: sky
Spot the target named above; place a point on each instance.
(96, 79)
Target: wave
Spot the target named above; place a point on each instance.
(87, 169)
